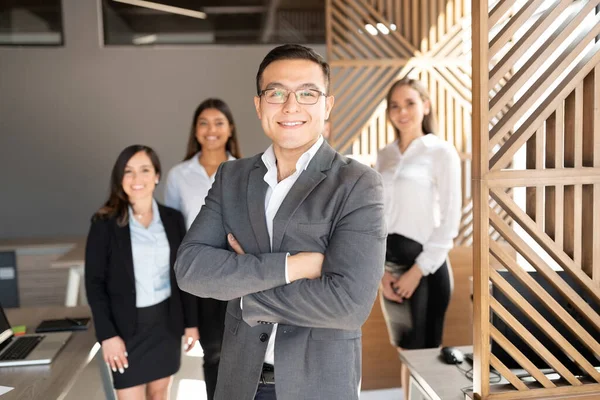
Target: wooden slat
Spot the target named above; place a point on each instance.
(481, 256)
(441, 26)
(361, 89)
(509, 30)
(537, 318)
(406, 19)
(548, 78)
(504, 156)
(512, 350)
(557, 282)
(507, 62)
(546, 243)
(501, 8)
(379, 62)
(380, 86)
(507, 373)
(558, 393)
(528, 178)
(432, 19)
(424, 43)
(351, 77)
(588, 115)
(414, 8)
(328, 31)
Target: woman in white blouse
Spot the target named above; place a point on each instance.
(212, 140)
(421, 176)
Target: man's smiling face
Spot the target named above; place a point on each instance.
(293, 126)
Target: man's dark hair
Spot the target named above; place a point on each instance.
(292, 52)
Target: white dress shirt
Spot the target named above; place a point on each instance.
(151, 255)
(188, 184)
(422, 189)
(276, 193)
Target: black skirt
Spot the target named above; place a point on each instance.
(154, 351)
(427, 305)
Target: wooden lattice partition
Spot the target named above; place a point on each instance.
(427, 40)
(546, 56)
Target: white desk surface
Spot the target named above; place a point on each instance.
(438, 379)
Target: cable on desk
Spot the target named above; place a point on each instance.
(468, 373)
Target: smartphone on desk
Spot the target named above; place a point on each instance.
(64, 324)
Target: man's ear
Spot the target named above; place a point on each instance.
(329, 100)
(257, 106)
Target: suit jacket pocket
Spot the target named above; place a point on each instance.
(334, 334)
(232, 323)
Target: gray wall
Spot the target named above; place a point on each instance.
(65, 113)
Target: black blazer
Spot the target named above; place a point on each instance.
(109, 278)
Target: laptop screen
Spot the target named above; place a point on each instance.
(5, 331)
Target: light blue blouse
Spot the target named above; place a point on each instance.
(151, 259)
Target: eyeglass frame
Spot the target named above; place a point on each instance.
(262, 92)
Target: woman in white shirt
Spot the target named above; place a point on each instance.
(212, 141)
(422, 185)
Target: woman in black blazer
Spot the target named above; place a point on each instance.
(139, 312)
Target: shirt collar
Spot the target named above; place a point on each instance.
(427, 140)
(155, 214)
(194, 163)
(270, 161)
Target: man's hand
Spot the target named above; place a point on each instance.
(387, 287)
(408, 282)
(191, 335)
(305, 265)
(235, 245)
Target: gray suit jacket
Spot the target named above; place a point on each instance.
(336, 208)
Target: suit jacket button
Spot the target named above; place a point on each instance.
(263, 337)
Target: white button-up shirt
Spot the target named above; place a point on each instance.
(187, 187)
(151, 254)
(276, 193)
(422, 189)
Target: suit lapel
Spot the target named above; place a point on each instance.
(257, 189)
(302, 188)
(172, 232)
(124, 241)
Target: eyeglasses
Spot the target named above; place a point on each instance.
(303, 96)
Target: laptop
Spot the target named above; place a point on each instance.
(28, 349)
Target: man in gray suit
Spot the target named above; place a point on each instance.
(294, 238)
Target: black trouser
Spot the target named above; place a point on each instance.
(428, 303)
(265, 392)
(211, 325)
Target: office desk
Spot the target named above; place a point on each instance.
(52, 381)
(49, 270)
(432, 379)
(74, 261)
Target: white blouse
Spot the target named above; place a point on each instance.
(422, 189)
(188, 184)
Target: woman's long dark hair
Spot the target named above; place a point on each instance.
(429, 121)
(232, 145)
(117, 204)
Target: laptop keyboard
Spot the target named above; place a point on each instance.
(21, 348)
